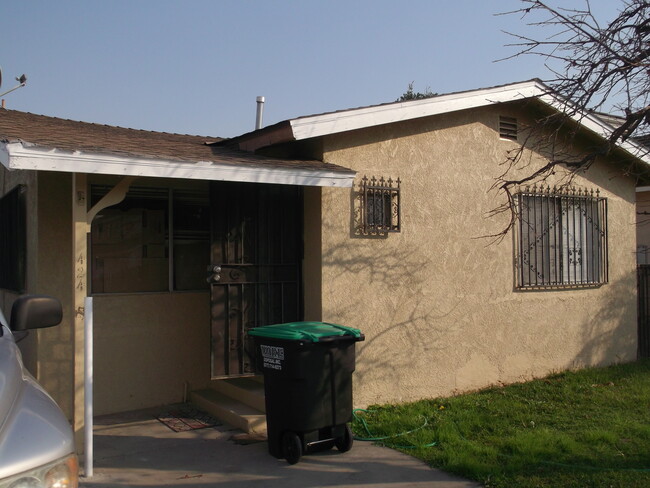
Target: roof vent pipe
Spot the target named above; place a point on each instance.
(260, 112)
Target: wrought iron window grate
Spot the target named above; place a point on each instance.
(562, 238)
(380, 205)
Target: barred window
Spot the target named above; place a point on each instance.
(380, 205)
(562, 238)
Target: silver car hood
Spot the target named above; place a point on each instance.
(33, 431)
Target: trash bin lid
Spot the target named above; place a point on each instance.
(301, 331)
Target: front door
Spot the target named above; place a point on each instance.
(255, 272)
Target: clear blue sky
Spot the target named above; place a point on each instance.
(196, 66)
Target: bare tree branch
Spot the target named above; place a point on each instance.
(595, 67)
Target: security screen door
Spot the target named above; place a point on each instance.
(255, 272)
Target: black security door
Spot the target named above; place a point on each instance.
(255, 271)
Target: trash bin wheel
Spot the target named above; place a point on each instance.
(344, 443)
(291, 447)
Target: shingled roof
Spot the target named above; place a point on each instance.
(68, 136)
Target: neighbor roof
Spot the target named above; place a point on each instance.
(39, 142)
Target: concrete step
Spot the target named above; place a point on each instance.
(248, 390)
(229, 410)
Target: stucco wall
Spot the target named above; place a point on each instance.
(147, 347)
(437, 302)
(54, 270)
(8, 181)
(47, 353)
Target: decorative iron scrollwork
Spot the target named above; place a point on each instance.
(379, 206)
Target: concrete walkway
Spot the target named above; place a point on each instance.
(136, 450)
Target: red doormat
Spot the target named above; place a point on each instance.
(186, 418)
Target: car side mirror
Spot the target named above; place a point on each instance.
(35, 312)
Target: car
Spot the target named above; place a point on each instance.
(37, 448)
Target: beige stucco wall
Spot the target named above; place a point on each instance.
(437, 302)
(148, 347)
(8, 181)
(54, 270)
(47, 353)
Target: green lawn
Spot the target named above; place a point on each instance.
(589, 428)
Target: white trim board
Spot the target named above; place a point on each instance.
(16, 155)
(359, 118)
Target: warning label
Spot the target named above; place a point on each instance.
(272, 356)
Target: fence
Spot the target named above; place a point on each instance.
(643, 284)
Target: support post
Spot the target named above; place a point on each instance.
(79, 293)
(88, 387)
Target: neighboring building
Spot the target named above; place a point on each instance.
(373, 217)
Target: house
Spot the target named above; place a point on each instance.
(372, 217)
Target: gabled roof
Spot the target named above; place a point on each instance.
(324, 124)
(37, 142)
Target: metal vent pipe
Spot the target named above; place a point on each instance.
(260, 113)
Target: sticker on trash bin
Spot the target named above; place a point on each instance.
(272, 356)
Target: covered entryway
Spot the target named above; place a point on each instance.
(152, 343)
(255, 271)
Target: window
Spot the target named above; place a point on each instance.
(562, 238)
(380, 205)
(13, 239)
(508, 128)
(131, 250)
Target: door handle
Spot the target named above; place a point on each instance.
(215, 273)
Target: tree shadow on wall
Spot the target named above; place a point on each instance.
(611, 333)
(389, 289)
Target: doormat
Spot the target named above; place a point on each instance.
(186, 418)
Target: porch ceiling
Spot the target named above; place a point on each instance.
(37, 142)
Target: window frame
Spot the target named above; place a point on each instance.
(561, 239)
(171, 199)
(380, 205)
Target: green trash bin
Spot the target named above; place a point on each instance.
(307, 369)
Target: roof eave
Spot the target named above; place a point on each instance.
(18, 155)
(346, 120)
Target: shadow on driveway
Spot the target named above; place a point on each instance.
(136, 450)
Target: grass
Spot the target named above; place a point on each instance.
(588, 428)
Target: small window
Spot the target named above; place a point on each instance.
(508, 128)
(380, 205)
(562, 239)
(13, 239)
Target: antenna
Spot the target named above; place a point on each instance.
(22, 82)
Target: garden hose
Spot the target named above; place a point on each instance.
(372, 438)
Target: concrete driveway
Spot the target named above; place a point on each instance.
(136, 450)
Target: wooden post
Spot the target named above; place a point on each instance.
(80, 275)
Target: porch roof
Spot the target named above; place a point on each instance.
(38, 142)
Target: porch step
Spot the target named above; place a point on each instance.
(237, 401)
(230, 410)
(248, 390)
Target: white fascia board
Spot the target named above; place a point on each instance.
(335, 122)
(595, 124)
(17, 155)
(641, 189)
(332, 123)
